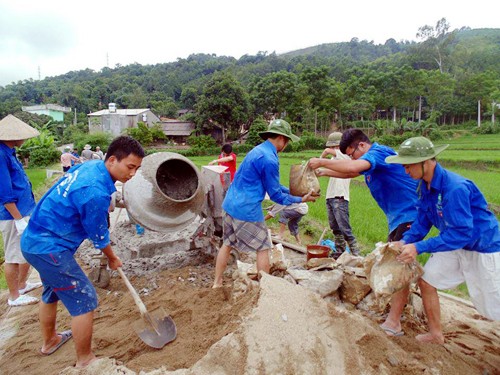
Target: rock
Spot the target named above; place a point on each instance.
(354, 286)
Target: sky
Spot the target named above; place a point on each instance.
(41, 38)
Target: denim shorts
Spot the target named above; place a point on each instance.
(64, 280)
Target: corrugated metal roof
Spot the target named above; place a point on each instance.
(123, 112)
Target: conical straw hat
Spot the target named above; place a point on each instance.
(13, 129)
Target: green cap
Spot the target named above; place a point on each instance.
(415, 150)
(334, 139)
(280, 127)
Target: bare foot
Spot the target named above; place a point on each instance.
(87, 362)
(429, 338)
(216, 286)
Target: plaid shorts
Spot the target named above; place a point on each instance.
(245, 235)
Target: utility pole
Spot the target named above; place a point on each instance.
(39, 75)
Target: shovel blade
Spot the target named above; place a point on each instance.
(166, 330)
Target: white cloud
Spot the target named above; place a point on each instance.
(60, 36)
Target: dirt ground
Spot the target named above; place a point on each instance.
(270, 328)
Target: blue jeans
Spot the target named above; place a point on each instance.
(338, 218)
(292, 218)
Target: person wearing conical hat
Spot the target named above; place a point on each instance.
(244, 227)
(16, 204)
(467, 248)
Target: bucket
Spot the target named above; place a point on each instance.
(317, 251)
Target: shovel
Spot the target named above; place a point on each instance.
(161, 329)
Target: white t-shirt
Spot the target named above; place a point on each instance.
(338, 187)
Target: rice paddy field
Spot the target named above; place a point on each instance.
(476, 157)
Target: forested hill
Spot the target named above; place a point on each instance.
(451, 71)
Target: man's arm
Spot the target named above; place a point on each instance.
(340, 168)
(114, 261)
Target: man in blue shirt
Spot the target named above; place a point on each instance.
(244, 227)
(74, 209)
(467, 247)
(16, 204)
(391, 188)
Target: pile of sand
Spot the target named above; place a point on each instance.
(274, 327)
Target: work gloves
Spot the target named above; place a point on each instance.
(21, 225)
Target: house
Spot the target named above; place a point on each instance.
(53, 110)
(178, 131)
(115, 121)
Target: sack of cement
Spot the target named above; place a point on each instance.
(317, 264)
(303, 180)
(277, 260)
(347, 259)
(355, 285)
(386, 274)
(322, 282)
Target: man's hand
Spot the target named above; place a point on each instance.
(315, 163)
(21, 225)
(309, 197)
(114, 262)
(328, 151)
(409, 254)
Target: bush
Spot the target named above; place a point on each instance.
(94, 139)
(254, 139)
(202, 142)
(142, 134)
(43, 157)
(487, 129)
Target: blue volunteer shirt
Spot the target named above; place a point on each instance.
(258, 173)
(74, 209)
(393, 190)
(456, 207)
(15, 187)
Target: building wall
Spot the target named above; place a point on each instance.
(56, 115)
(116, 124)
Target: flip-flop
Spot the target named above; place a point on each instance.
(65, 336)
(392, 332)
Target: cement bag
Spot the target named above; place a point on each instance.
(302, 180)
(387, 275)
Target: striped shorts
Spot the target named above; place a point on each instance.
(245, 235)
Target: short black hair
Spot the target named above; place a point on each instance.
(351, 136)
(227, 148)
(123, 146)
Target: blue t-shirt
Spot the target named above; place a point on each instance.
(74, 209)
(15, 187)
(456, 207)
(258, 173)
(393, 190)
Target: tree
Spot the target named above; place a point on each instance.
(436, 41)
(224, 103)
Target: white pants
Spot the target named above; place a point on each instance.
(11, 242)
(480, 271)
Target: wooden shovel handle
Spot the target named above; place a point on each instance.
(137, 299)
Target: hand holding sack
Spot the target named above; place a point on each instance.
(303, 179)
(386, 274)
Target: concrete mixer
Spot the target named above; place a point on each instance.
(171, 196)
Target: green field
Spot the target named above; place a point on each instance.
(474, 157)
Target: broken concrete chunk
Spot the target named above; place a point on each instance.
(354, 288)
